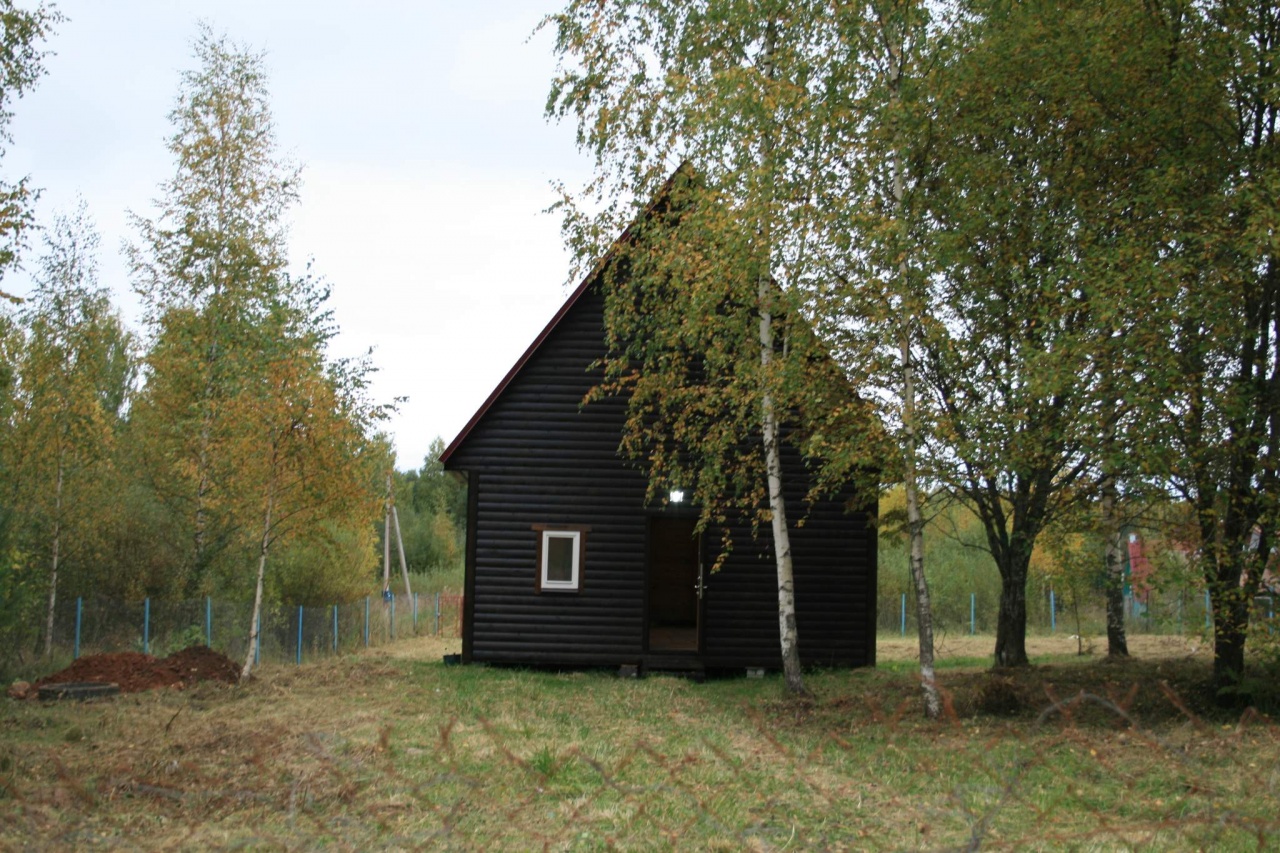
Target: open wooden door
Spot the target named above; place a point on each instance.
(675, 586)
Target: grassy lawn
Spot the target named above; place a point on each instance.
(393, 750)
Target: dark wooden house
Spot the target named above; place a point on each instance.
(566, 565)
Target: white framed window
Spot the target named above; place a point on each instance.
(560, 558)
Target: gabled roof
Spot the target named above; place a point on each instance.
(582, 288)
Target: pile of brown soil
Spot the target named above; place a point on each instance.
(201, 663)
(134, 671)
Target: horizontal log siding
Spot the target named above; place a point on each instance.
(834, 559)
(542, 458)
(538, 457)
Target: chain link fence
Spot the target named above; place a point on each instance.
(288, 634)
(1172, 612)
(292, 634)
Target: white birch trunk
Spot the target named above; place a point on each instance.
(202, 490)
(204, 481)
(788, 633)
(256, 618)
(915, 531)
(53, 563)
(915, 518)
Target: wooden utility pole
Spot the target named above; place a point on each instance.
(404, 566)
(393, 516)
(386, 540)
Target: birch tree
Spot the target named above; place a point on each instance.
(723, 86)
(67, 411)
(206, 266)
(866, 286)
(826, 148)
(302, 434)
(257, 429)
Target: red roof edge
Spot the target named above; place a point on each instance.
(555, 320)
(517, 367)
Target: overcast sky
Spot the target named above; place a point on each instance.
(426, 167)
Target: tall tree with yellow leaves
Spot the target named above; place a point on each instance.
(207, 266)
(69, 396)
(301, 434)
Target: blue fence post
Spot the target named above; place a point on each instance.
(436, 627)
(335, 629)
(1053, 613)
(904, 614)
(393, 617)
(973, 613)
(366, 621)
(79, 612)
(1208, 610)
(146, 625)
(208, 621)
(257, 641)
(298, 660)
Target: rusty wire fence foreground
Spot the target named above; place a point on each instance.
(1061, 787)
(837, 774)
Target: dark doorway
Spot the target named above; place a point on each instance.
(674, 584)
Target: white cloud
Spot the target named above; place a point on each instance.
(426, 160)
(450, 277)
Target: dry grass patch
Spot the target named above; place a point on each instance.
(392, 749)
(1060, 645)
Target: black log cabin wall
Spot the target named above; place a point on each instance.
(536, 457)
